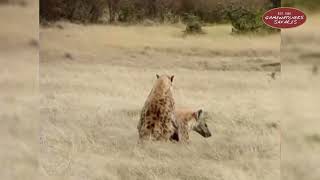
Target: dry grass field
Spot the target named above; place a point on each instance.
(19, 113)
(94, 80)
(300, 102)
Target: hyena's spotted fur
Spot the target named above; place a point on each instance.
(157, 120)
(190, 120)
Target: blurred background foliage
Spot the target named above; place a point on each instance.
(244, 15)
(308, 5)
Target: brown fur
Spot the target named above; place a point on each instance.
(189, 120)
(157, 120)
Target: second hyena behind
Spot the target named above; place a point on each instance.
(190, 120)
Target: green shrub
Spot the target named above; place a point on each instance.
(193, 24)
(159, 11)
(310, 5)
(127, 12)
(248, 20)
(80, 10)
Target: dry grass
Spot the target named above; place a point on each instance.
(18, 93)
(300, 100)
(160, 46)
(90, 103)
(300, 124)
(94, 81)
(301, 45)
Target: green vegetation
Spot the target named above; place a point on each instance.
(309, 5)
(244, 15)
(246, 20)
(193, 24)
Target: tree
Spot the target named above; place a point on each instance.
(113, 6)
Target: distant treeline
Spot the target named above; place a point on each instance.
(134, 11)
(310, 5)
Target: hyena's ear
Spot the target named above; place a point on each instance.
(171, 78)
(198, 114)
(157, 76)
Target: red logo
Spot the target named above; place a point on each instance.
(284, 17)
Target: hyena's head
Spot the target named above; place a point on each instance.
(163, 86)
(199, 124)
(165, 77)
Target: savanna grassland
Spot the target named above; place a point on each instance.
(300, 89)
(19, 112)
(94, 80)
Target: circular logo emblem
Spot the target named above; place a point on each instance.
(284, 17)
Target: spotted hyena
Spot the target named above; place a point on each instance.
(188, 120)
(157, 120)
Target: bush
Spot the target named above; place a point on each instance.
(310, 5)
(80, 10)
(136, 11)
(193, 24)
(244, 19)
(129, 11)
